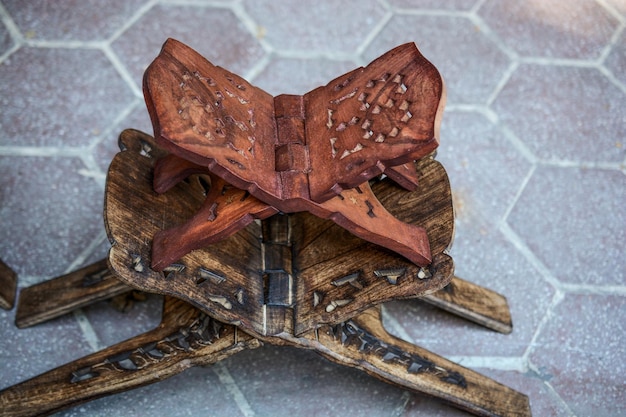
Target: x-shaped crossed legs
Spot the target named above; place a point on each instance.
(187, 337)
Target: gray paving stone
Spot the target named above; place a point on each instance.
(71, 20)
(58, 96)
(215, 33)
(573, 221)
(578, 29)
(434, 4)
(316, 27)
(54, 212)
(483, 256)
(565, 113)
(581, 355)
(486, 171)
(443, 40)
(299, 76)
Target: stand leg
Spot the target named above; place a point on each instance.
(63, 294)
(474, 303)
(8, 284)
(363, 343)
(95, 282)
(185, 338)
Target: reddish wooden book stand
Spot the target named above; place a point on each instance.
(283, 220)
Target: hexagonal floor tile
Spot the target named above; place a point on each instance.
(25, 353)
(583, 357)
(108, 147)
(58, 97)
(616, 61)
(543, 401)
(573, 221)
(46, 235)
(565, 113)
(274, 379)
(550, 28)
(216, 33)
(434, 4)
(299, 76)
(485, 169)
(324, 27)
(482, 256)
(138, 317)
(469, 62)
(69, 19)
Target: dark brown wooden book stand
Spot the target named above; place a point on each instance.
(294, 238)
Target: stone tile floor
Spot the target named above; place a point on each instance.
(533, 138)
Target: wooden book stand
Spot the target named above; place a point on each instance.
(296, 260)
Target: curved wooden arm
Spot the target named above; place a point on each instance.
(225, 211)
(363, 343)
(186, 338)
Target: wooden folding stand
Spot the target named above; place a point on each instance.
(282, 260)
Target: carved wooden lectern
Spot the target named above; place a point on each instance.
(283, 220)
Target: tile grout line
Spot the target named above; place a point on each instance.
(87, 330)
(557, 298)
(558, 398)
(488, 33)
(112, 56)
(202, 3)
(590, 289)
(609, 8)
(403, 11)
(606, 51)
(611, 77)
(517, 143)
(43, 151)
(401, 408)
(88, 251)
(122, 70)
(14, 33)
(529, 255)
(520, 191)
(376, 30)
(487, 112)
(253, 28)
(63, 44)
(227, 380)
(550, 313)
(477, 6)
(504, 80)
(131, 21)
(331, 56)
(558, 62)
(500, 363)
(391, 323)
(258, 67)
(130, 108)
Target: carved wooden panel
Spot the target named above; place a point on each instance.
(257, 278)
(301, 153)
(337, 136)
